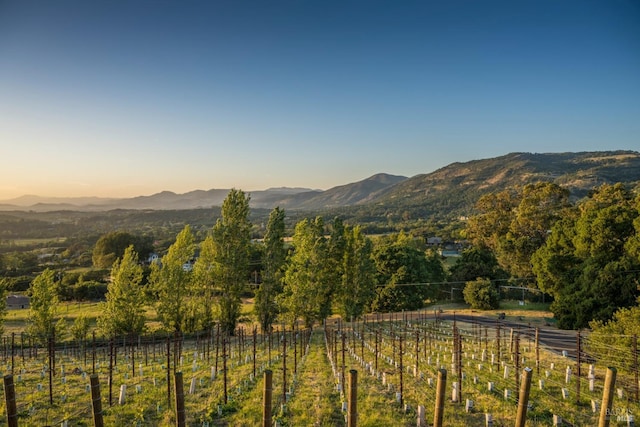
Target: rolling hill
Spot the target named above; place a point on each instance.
(447, 192)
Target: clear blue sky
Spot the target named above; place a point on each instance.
(124, 98)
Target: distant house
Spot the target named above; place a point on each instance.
(15, 302)
(434, 240)
(449, 253)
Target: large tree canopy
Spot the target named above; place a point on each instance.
(476, 262)
(515, 223)
(587, 263)
(111, 246)
(406, 275)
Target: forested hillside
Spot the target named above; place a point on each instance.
(454, 189)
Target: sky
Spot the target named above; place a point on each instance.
(125, 98)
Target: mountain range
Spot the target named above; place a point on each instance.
(451, 190)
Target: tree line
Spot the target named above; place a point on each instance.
(584, 254)
(321, 269)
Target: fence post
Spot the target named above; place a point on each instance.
(51, 368)
(352, 410)
(10, 399)
(635, 367)
(266, 400)
(13, 343)
(96, 401)
(343, 366)
(168, 373)
(438, 415)
(537, 344)
(180, 420)
(578, 363)
(523, 400)
(284, 364)
(607, 397)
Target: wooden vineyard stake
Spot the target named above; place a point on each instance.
(13, 343)
(523, 401)
(180, 415)
(636, 385)
(255, 332)
(93, 353)
(284, 364)
(168, 373)
(401, 372)
(578, 363)
(266, 400)
(343, 366)
(537, 344)
(10, 399)
(516, 346)
(417, 350)
(352, 407)
(224, 367)
(96, 401)
(51, 370)
(218, 347)
(607, 397)
(438, 414)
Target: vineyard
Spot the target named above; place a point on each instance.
(399, 360)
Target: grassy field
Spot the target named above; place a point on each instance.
(31, 242)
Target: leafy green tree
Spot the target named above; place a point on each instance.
(405, 275)
(584, 263)
(44, 305)
(607, 338)
(171, 280)
(541, 205)
(204, 285)
(481, 294)
(111, 246)
(80, 328)
(515, 223)
(357, 289)
(231, 239)
(336, 247)
(306, 276)
(123, 311)
(476, 261)
(273, 261)
(491, 224)
(20, 261)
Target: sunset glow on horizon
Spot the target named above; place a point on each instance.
(120, 99)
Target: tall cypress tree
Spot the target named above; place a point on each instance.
(273, 261)
(231, 239)
(123, 311)
(172, 281)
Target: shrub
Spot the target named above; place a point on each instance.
(481, 294)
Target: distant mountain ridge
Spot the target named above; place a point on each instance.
(448, 191)
(455, 188)
(295, 198)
